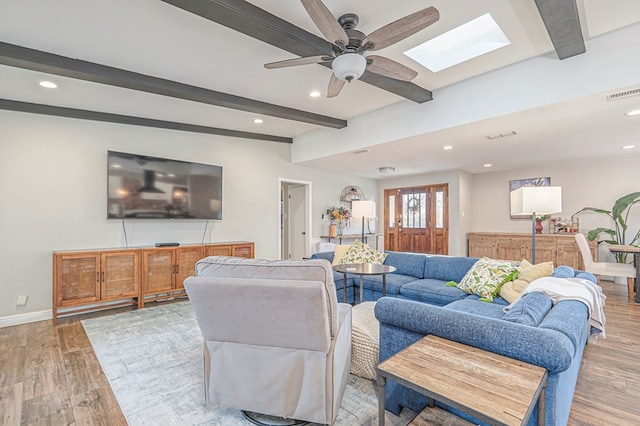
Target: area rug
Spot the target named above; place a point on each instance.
(152, 358)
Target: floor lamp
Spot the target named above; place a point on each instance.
(364, 209)
(536, 201)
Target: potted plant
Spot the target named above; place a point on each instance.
(620, 214)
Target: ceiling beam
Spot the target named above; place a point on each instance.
(561, 19)
(37, 60)
(11, 105)
(248, 19)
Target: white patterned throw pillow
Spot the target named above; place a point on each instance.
(486, 277)
(362, 253)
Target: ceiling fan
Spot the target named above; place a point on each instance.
(349, 45)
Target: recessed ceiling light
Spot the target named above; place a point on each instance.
(488, 165)
(258, 121)
(633, 112)
(475, 38)
(314, 94)
(48, 84)
(386, 170)
(628, 147)
(447, 147)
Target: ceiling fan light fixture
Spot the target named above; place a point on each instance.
(349, 66)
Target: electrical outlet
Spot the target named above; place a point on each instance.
(22, 301)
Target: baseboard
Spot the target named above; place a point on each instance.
(26, 318)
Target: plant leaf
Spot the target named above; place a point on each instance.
(593, 234)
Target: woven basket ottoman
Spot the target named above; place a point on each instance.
(365, 340)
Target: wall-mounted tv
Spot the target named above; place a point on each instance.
(144, 187)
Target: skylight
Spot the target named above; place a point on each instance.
(470, 40)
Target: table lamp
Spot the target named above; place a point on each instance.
(364, 209)
(535, 201)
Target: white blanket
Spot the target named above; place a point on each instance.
(585, 291)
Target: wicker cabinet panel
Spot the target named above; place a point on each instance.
(243, 250)
(120, 275)
(219, 250)
(186, 259)
(158, 268)
(78, 279)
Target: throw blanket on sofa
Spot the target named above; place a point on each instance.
(585, 291)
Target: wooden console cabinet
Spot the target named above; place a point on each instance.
(90, 280)
(561, 249)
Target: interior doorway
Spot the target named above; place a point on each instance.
(295, 219)
(416, 219)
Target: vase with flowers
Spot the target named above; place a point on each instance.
(339, 216)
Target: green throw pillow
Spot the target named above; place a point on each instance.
(486, 277)
(362, 253)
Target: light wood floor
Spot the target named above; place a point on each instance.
(49, 374)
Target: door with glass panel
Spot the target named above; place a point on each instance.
(416, 219)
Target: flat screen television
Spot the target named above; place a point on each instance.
(144, 187)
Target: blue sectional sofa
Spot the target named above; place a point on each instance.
(419, 303)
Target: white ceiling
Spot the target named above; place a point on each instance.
(154, 38)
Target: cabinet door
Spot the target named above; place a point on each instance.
(512, 248)
(158, 270)
(569, 253)
(546, 249)
(219, 250)
(482, 245)
(186, 258)
(243, 250)
(120, 274)
(77, 278)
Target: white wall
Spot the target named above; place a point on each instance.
(53, 187)
(584, 184)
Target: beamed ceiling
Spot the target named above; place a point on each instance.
(197, 65)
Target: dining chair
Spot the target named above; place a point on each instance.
(612, 269)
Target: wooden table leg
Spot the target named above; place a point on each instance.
(380, 383)
(541, 406)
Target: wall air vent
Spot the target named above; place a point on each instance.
(623, 94)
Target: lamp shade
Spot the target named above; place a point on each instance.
(349, 66)
(363, 208)
(541, 200)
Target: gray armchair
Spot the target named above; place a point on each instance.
(276, 341)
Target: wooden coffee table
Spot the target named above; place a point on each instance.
(490, 387)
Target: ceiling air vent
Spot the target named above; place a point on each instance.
(624, 94)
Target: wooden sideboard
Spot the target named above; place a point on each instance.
(89, 280)
(561, 249)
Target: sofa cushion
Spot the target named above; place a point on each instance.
(374, 282)
(448, 268)
(406, 263)
(359, 252)
(486, 276)
(476, 307)
(530, 309)
(511, 290)
(431, 291)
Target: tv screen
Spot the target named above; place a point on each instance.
(140, 186)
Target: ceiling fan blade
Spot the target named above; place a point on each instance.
(390, 68)
(402, 28)
(335, 86)
(299, 61)
(326, 22)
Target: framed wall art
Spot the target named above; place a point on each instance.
(519, 183)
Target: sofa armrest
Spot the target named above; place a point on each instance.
(544, 347)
